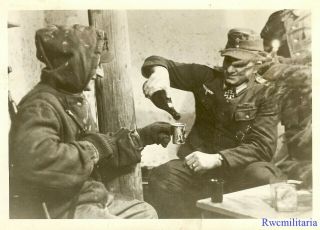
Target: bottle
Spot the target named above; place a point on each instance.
(162, 101)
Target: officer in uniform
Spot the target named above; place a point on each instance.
(235, 131)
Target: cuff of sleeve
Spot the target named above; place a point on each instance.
(150, 62)
(95, 151)
(101, 144)
(224, 161)
(136, 140)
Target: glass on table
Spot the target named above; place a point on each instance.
(284, 196)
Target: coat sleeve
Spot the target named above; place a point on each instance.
(260, 142)
(123, 148)
(182, 76)
(42, 158)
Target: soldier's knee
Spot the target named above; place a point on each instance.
(259, 173)
(159, 173)
(158, 176)
(167, 177)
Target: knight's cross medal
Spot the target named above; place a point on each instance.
(229, 94)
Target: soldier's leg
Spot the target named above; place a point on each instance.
(124, 207)
(92, 211)
(175, 189)
(258, 173)
(117, 207)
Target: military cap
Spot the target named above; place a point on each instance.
(56, 44)
(243, 44)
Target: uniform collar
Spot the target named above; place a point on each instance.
(231, 92)
(240, 88)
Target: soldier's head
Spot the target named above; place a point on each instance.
(275, 31)
(72, 55)
(292, 29)
(243, 44)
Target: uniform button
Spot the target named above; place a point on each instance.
(79, 103)
(247, 116)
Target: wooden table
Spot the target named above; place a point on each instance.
(253, 203)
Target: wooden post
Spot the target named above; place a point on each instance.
(115, 105)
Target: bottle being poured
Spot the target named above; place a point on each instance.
(162, 101)
(156, 89)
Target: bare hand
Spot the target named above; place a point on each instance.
(201, 162)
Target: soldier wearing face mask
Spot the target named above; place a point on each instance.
(235, 130)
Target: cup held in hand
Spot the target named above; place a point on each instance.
(179, 130)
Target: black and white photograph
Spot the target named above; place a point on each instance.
(198, 115)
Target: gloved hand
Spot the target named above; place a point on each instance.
(156, 133)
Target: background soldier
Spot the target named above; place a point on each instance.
(292, 76)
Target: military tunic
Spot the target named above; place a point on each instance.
(240, 126)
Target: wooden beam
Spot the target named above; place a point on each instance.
(115, 105)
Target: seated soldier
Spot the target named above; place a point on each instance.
(54, 146)
(235, 130)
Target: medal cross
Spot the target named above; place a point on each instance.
(229, 94)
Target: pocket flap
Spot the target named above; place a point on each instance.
(245, 114)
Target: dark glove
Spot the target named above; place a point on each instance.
(156, 133)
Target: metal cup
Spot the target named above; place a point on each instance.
(179, 131)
